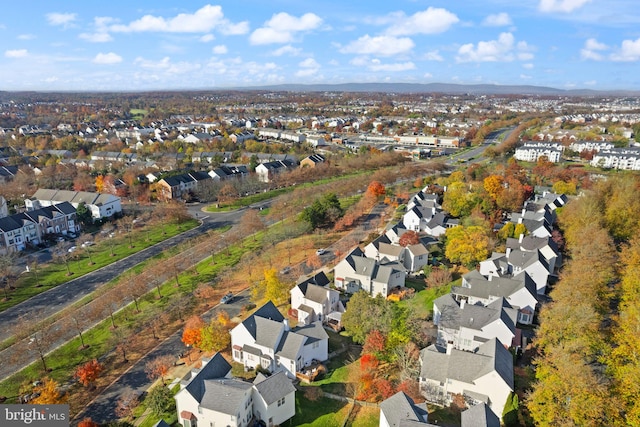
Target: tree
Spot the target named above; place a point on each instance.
(99, 183)
(493, 185)
(88, 373)
(88, 422)
(8, 272)
(323, 212)
(466, 245)
(84, 214)
(409, 238)
(251, 223)
(374, 343)
(274, 289)
(458, 201)
(376, 189)
(215, 337)
(438, 277)
(366, 314)
(160, 400)
(192, 334)
(126, 404)
(159, 367)
(48, 393)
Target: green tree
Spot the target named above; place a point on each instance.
(160, 400)
(366, 314)
(214, 337)
(458, 200)
(84, 214)
(323, 212)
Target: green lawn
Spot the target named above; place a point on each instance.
(51, 275)
(422, 301)
(322, 412)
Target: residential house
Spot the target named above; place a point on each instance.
(412, 257)
(479, 415)
(7, 173)
(467, 326)
(357, 272)
(178, 186)
(484, 376)
(314, 300)
(101, 205)
(266, 339)
(312, 161)
(267, 171)
(225, 172)
(516, 261)
(531, 152)
(210, 397)
(519, 291)
(400, 410)
(546, 246)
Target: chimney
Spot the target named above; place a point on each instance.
(490, 277)
(286, 324)
(462, 303)
(524, 210)
(520, 237)
(508, 252)
(449, 348)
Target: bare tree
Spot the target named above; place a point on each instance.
(8, 272)
(85, 241)
(61, 253)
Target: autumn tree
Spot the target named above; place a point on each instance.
(466, 245)
(409, 238)
(126, 404)
(99, 183)
(192, 334)
(88, 422)
(274, 289)
(458, 200)
(376, 189)
(251, 223)
(438, 277)
(214, 337)
(366, 314)
(493, 185)
(88, 373)
(159, 367)
(48, 393)
(374, 343)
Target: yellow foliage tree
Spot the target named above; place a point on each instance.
(48, 393)
(274, 289)
(493, 185)
(466, 245)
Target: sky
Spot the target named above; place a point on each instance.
(53, 45)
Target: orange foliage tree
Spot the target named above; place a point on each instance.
(192, 334)
(374, 343)
(376, 189)
(89, 372)
(159, 367)
(409, 238)
(99, 183)
(88, 422)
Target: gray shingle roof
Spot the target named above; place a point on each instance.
(267, 311)
(267, 332)
(224, 395)
(399, 408)
(479, 416)
(274, 387)
(217, 367)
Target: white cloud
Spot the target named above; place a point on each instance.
(282, 28)
(107, 58)
(64, 19)
(434, 55)
(527, 66)
(309, 63)
(561, 5)
(286, 50)
(502, 50)
(628, 51)
(237, 29)
(308, 67)
(203, 20)
(497, 20)
(525, 76)
(96, 37)
(167, 66)
(380, 45)
(207, 38)
(26, 37)
(592, 49)
(431, 21)
(395, 67)
(16, 53)
(219, 49)
(427, 75)
(590, 83)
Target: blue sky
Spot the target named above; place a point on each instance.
(142, 45)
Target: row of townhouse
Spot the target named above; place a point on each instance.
(478, 321)
(532, 151)
(618, 158)
(101, 205)
(284, 135)
(31, 227)
(425, 215)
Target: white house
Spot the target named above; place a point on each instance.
(101, 205)
(209, 397)
(479, 415)
(546, 246)
(520, 291)
(266, 339)
(467, 326)
(531, 152)
(357, 272)
(484, 376)
(401, 411)
(314, 300)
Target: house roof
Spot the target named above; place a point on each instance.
(418, 249)
(274, 387)
(479, 416)
(314, 293)
(466, 366)
(479, 286)
(9, 224)
(290, 345)
(522, 259)
(314, 331)
(319, 279)
(401, 407)
(161, 423)
(267, 332)
(217, 367)
(532, 244)
(224, 395)
(267, 311)
(476, 317)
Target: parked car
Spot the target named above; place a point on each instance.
(321, 251)
(86, 244)
(71, 249)
(285, 270)
(227, 298)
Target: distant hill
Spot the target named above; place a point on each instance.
(447, 88)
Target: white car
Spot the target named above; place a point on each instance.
(227, 298)
(86, 244)
(321, 251)
(71, 249)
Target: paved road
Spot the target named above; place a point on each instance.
(102, 409)
(50, 302)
